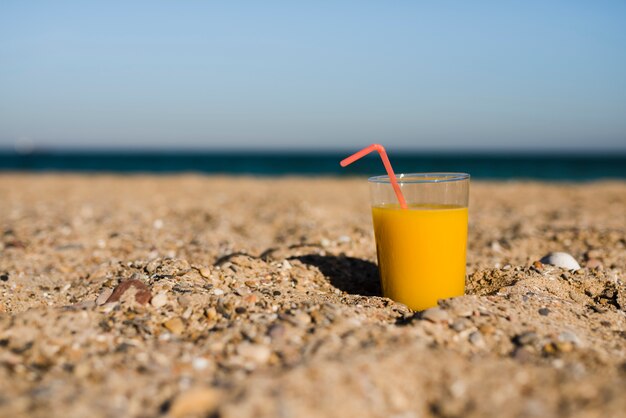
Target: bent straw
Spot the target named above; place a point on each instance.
(386, 163)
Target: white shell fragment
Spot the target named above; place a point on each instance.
(563, 260)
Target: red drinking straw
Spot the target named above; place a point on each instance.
(386, 163)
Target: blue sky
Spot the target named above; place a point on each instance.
(415, 75)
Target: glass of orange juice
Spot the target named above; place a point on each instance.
(421, 249)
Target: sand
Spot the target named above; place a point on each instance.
(260, 298)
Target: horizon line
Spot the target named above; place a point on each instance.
(617, 153)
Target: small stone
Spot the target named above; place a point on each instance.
(549, 348)
(286, 265)
(199, 363)
(211, 314)
(569, 337)
(159, 300)
(196, 401)
(544, 311)
(538, 265)
(276, 331)
(487, 329)
(187, 314)
(157, 224)
(205, 272)
(563, 260)
(153, 265)
(555, 347)
(184, 300)
(175, 325)
(250, 299)
(104, 295)
(476, 338)
(435, 315)
(463, 311)
(218, 292)
(241, 291)
(253, 352)
(4, 277)
(526, 338)
(142, 293)
(564, 347)
(344, 239)
(460, 324)
(301, 319)
(85, 304)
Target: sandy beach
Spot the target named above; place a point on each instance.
(248, 297)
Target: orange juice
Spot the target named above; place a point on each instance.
(421, 252)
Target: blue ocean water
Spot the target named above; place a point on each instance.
(480, 166)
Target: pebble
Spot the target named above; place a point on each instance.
(253, 352)
(196, 401)
(104, 295)
(526, 338)
(460, 324)
(276, 331)
(435, 315)
(175, 325)
(184, 300)
(159, 300)
(560, 259)
(487, 329)
(476, 338)
(218, 292)
(250, 299)
(142, 294)
(85, 304)
(569, 337)
(344, 239)
(463, 311)
(211, 314)
(205, 272)
(199, 363)
(301, 319)
(554, 347)
(4, 277)
(544, 311)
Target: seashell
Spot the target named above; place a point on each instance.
(563, 260)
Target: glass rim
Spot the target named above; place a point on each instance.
(410, 178)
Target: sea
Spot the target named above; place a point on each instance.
(488, 166)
